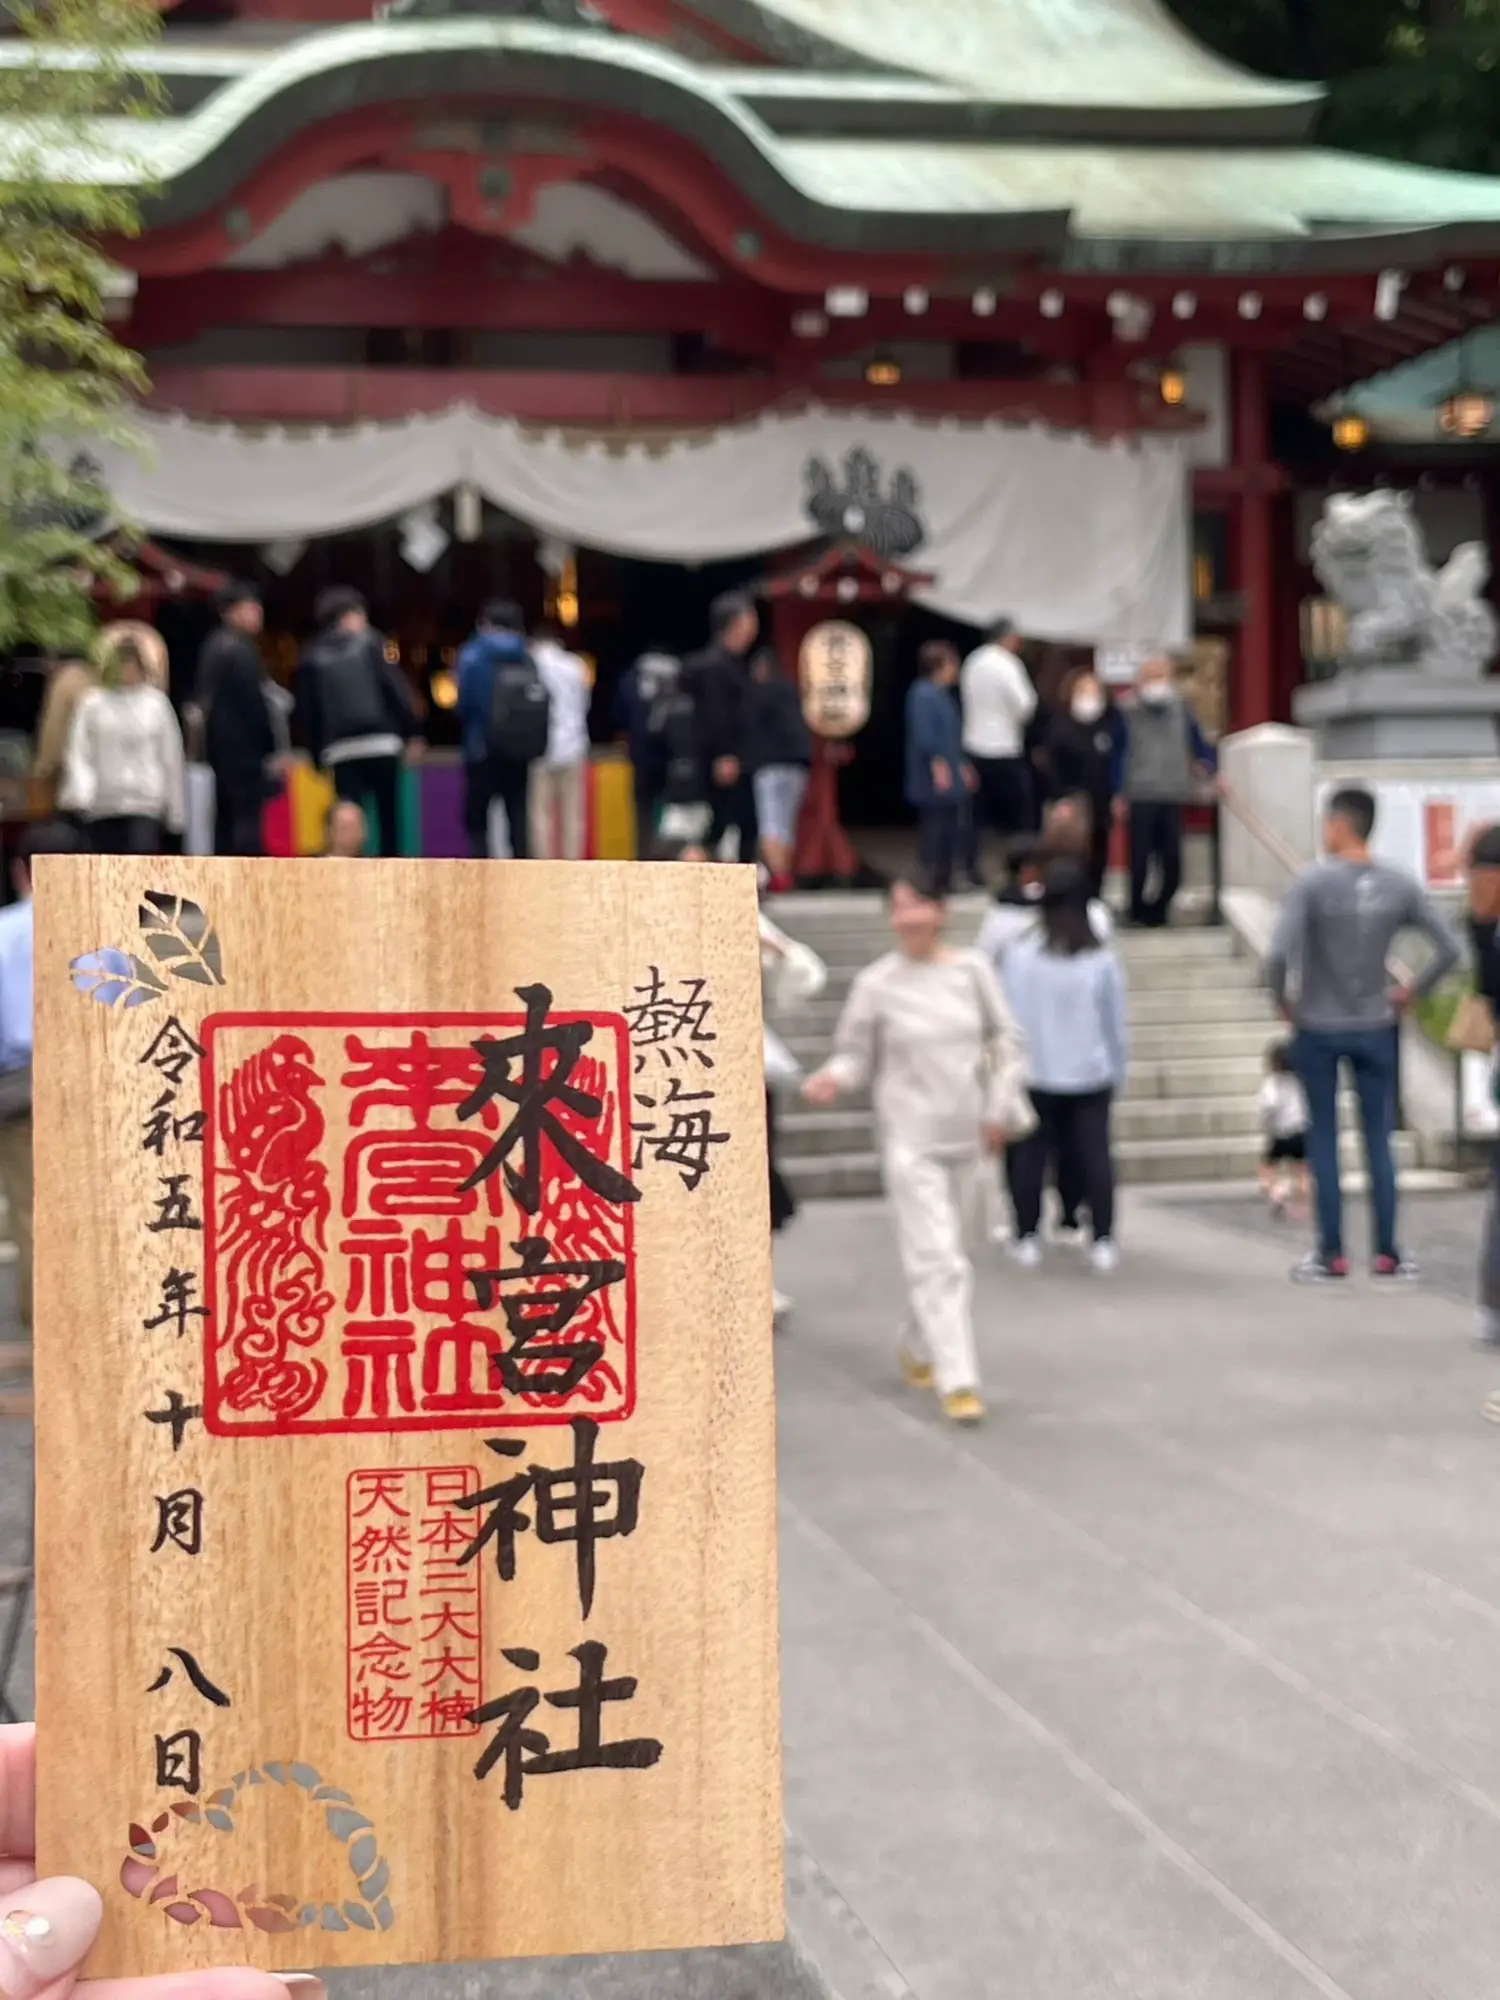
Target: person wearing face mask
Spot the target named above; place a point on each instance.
(1084, 746)
(1166, 757)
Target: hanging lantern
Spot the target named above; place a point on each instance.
(1351, 433)
(1174, 388)
(882, 371)
(468, 511)
(1467, 413)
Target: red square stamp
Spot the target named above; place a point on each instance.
(417, 1222)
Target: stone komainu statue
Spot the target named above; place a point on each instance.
(1367, 552)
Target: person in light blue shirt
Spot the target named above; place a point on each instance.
(1067, 991)
(16, 1018)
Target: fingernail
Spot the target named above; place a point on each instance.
(45, 1930)
(303, 1985)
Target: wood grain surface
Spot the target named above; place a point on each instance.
(256, 1284)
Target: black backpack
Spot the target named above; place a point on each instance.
(520, 712)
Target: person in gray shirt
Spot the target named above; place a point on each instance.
(1328, 971)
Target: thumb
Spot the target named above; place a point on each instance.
(46, 1932)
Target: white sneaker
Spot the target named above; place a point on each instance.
(1027, 1252)
(1105, 1255)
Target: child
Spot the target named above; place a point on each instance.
(1283, 1119)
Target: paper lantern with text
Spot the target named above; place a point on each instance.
(835, 667)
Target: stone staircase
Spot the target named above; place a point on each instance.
(1200, 1025)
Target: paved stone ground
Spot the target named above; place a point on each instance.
(1179, 1680)
(1442, 1231)
(1180, 1677)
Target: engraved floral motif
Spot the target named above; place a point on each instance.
(178, 936)
(142, 1871)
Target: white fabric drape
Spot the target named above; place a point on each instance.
(1076, 540)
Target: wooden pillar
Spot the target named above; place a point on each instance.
(1254, 694)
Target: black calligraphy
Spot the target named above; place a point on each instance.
(179, 1292)
(163, 1127)
(173, 1051)
(179, 1521)
(179, 1761)
(536, 1362)
(583, 1504)
(172, 1054)
(671, 1039)
(528, 1753)
(174, 1209)
(178, 1414)
(517, 1070)
(195, 1674)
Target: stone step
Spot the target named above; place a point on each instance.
(846, 938)
(1201, 1041)
(1145, 975)
(1149, 1082)
(1151, 1044)
(1172, 1007)
(1189, 1007)
(1139, 1162)
(1196, 1076)
(801, 1134)
(849, 946)
(1198, 1046)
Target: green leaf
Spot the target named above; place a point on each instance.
(177, 932)
(64, 377)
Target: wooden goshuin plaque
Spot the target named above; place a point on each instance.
(406, 1558)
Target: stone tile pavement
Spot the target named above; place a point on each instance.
(1180, 1678)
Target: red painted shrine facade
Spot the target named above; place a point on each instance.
(647, 218)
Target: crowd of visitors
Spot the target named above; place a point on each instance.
(1016, 1049)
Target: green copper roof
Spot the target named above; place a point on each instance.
(1060, 68)
(1044, 52)
(974, 192)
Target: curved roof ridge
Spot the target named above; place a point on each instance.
(1063, 52)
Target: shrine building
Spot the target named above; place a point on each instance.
(606, 303)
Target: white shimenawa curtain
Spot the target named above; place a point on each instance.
(1075, 539)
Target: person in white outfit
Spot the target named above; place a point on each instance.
(929, 1031)
(559, 783)
(998, 700)
(123, 774)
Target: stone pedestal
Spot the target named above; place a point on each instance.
(1389, 713)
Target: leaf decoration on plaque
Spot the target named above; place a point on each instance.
(116, 978)
(180, 936)
(142, 1871)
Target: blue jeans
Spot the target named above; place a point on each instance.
(940, 839)
(1319, 1054)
